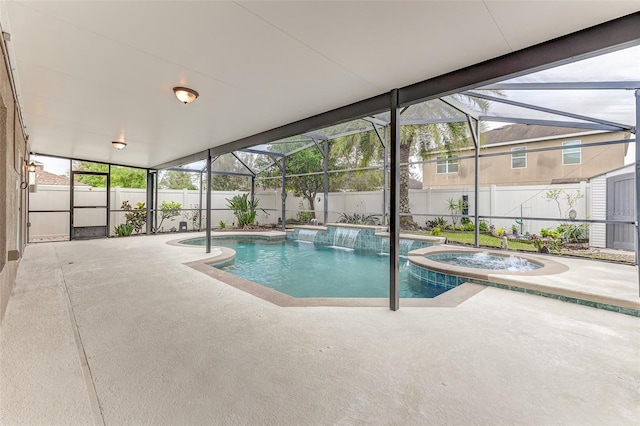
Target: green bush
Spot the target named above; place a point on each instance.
(500, 232)
(244, 209)
(303, 217)
(484, 227)
(135, 216)
(124, 230)
(222, 224)
(168, 210)
(356, 219)
(435, 231)
(571, 232)
(469, 226)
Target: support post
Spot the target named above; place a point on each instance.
(150, 193)
(476, 199)
(475, 132)
(284, 193)
(394, 215)
(637, 187)
(385, 180)
(200, 204)
(208, 221)
(326, 183)
(253, 190)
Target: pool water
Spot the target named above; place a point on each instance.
(302, 269)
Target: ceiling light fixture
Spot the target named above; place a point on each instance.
(185, 95)
(118, 145)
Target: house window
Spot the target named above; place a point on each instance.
(571, 152)
(447, 165)
(519, 157)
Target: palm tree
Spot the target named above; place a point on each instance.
(418, 140)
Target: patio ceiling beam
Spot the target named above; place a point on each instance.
(220, 172)
(257, 151)
(380, 138)
(458, 106)
(569, 85)
(315, 136)
(377, 121)
(178, 169)
(244, 164)
(198, 156)
(589, 42)
(434, 121)
(302, 148)
(549, 110)
(552, 123)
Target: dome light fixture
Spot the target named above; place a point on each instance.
(119, 145)
(185, 95)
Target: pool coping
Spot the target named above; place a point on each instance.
(508, 280)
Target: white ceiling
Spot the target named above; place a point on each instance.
(92, 72)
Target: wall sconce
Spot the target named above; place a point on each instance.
(119, 145)
(185, 95)
(31, 168)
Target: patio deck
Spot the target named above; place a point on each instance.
(120, 331)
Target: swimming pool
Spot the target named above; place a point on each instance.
(304, 269)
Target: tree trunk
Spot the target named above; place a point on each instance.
(405, 221)
(311, 200)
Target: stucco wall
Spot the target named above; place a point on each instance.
(542, 167)
(13, 150)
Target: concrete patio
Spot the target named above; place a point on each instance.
(120, 331)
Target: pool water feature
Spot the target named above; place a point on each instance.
(484, 260)
(307, 270)
(344, 238)
(307, 235)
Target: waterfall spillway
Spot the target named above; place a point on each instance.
(405, 247)
(345, 238)
(307, 235)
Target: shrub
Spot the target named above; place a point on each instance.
(168, 210)
(572, 233)
(469, 226)
(244, 209)
(438, 222)
(483, 226)
(435, 231)
(222, 224)
(123, 230)
(499, 232)
(303, 216)
(193, 217)
(135, 216)
(514, 229)
(356, 219)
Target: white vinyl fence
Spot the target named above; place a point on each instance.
(520, 201)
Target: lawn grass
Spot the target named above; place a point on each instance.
(485, 240)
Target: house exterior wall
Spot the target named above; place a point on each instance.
(542, 167)
(13, 151)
